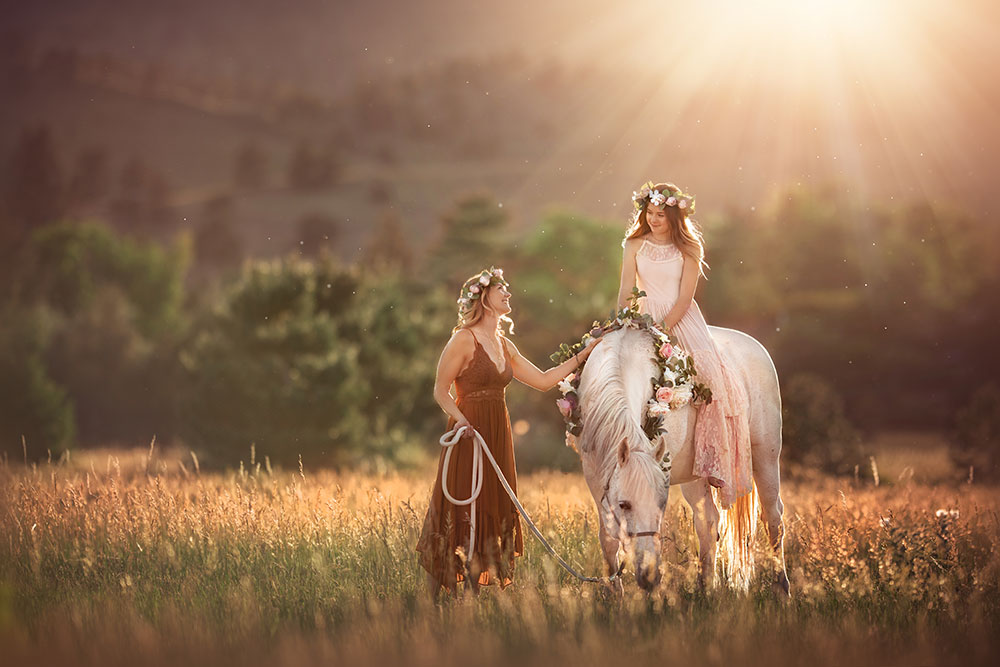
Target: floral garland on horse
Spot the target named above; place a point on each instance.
(673, 385)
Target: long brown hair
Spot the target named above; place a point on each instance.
(684, 231)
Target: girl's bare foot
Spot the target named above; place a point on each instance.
(716, 482)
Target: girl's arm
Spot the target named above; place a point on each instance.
(689, 282)
(628, 271)
(456, 355)
(529, 374)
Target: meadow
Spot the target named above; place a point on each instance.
(125, 557)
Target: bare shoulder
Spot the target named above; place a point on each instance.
(632, 245)
(461, 341)
(509, 344)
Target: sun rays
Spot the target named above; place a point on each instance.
(738, 99)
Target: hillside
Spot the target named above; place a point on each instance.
(540, 106)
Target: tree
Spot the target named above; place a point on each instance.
(37, 192)
(216, 241)
(316, 359)
(250, 169)
(142, 205)
(317, 234)
(388, 247)
(91, 181)
(815, 431)
(270, 367)
(32, 404)
(312, 168)
(471, 233)
(113, 308)
(977, 434)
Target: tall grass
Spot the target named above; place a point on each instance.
(153, 561)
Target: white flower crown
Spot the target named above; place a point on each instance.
(648, 194)
(473, 289)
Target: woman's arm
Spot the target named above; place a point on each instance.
(628, 271)
(456, 355)
(689, 282)
(529, 374)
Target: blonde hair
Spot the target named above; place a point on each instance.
(471, 314)
(684, 231)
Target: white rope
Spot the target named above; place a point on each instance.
(449, 440)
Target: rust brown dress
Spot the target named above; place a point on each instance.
(480, 389)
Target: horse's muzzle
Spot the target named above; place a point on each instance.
(647, 575)
(647, 570)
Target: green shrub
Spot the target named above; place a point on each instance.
(977, 433)
(815, 431)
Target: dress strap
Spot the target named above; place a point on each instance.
(503, 351)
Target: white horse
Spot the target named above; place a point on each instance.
(628, 483)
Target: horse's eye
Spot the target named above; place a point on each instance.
(625, 505)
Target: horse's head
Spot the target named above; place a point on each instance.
(635, 497)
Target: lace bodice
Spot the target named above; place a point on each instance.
(481, 378)
(658, 271)
(655, 252)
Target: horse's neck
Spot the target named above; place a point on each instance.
(614, 390)
(637, 368)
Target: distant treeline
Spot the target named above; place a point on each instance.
(876, 317)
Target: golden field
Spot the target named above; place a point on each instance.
(121, 558)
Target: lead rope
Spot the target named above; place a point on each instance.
(449, 440)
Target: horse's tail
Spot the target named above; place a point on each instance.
(737, 533)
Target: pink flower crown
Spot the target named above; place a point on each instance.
(475, 287)
(648, 194)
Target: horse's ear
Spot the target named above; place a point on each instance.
(661, 449)
(623, 452)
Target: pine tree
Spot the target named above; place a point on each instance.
(470, 240)
(250, 169)
(388, 247)
(36, 195)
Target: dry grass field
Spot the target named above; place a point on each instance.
(114, 558)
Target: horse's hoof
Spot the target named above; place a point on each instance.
(781, 588)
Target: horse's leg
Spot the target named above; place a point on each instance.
(698, 495)
(768, 478)
(609, 547)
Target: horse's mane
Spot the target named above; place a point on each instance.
(614, 388)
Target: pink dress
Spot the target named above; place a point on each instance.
(722, 431)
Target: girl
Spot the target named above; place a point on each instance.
(665, 256)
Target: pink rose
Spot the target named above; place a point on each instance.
(474, 289)
(565, 407)
(484, 280)
(671, 201)
(682, 203)
(666, 350)
(664, 394)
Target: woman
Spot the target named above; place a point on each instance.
(664, 257)
(480, 361)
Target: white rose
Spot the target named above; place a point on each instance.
(484, 280)
(681, 398)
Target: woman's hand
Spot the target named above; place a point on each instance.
(459, 423)
(585, 352)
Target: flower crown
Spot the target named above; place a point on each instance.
(475, 287)
(648, 194)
